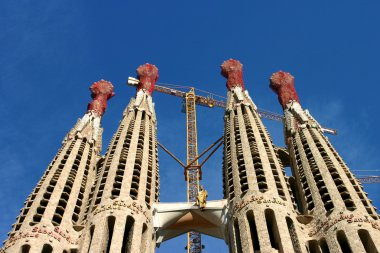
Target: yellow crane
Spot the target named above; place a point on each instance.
(193, 171)
(194, 241)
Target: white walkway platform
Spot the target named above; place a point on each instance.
(174, 219)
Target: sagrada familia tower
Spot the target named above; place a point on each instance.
(92, 203)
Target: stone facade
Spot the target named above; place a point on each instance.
(341, 217)
(262, 213)
(53, 215)
(90, 203)
(127, 185)
(321, 208)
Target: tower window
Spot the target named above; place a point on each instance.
(293, 234)
(111, 225)
(144, 238)
(314, 247)
(366, 239)
(324, 246)
(127, 233)
(25, 248)
(237, 236)
(343, 243)
(47, 249)
(253, 230)
(272, 227)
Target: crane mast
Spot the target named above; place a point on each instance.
(194, 243)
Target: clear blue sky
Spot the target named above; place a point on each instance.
(52, 51)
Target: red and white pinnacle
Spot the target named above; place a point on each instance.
(101, 91)
(147, 75)
(282, 84)
(233, 71)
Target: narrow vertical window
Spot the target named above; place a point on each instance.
(293, 234)
(367, 242)
(237, 237)
(47, 249)
(253, 230)
(296, 194)
(314, 247)
(127, 232)
(324, 246)
(111, 225)
(144, 238)
(272, 227)
(343, 243)
(25, 248)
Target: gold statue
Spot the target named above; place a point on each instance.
(201, 198)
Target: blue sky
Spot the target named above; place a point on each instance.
(52, 51)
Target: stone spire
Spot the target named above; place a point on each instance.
(51, 218)
(120, 218)
(254, 180)
(89, 125)
(327, 190)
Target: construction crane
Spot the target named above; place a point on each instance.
(368, 179)
(193, 170)
(210, 101)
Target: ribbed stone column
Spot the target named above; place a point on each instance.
(262, 215)
(51, 218)
(128, 181)
(342, 217)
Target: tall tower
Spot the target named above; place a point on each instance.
(342, 217)
(51, 218)
(90, 203)
(262, 215)
(127, 183)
